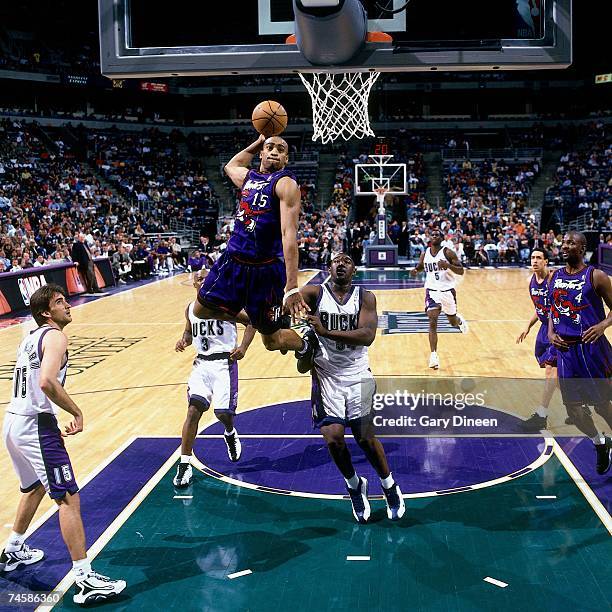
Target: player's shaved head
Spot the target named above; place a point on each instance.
(341, 254)
(578, 237)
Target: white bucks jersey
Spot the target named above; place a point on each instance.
(212, 336)
(442, 280)
(28, 398)
(336, 358)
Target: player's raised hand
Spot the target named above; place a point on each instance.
(295, 306)
(181, 345)
(74, 427)
(522, 335)
(594, 332)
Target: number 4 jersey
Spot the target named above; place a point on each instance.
(336, 358)
(28, 398)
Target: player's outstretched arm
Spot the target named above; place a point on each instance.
(186, 338)
(238, 167)
(420, 266)
(530, 324)
(289, 195)
(603, 287)
(54, 348)
(365, 333)
(240, 351)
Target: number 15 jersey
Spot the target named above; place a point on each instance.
(28, 398)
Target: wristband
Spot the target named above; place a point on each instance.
(290, 293)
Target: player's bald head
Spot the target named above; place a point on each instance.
(577, 237)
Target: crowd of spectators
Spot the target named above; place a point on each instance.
(583, 181)
(48, 198)
(119, 197)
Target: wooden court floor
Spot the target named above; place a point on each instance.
(129, 381)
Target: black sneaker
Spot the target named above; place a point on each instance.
(234, 447)
(305, 360)
(604, 456)
(534, 423)
(395, 502)
(359, 500)
(96, 587)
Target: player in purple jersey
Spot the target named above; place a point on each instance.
(577, 326)
(545, 352)
(258, 270)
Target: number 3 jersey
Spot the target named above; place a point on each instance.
(212, 336)
(335, 358)
(28, 398)
(436, 278)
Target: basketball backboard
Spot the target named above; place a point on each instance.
(145, 38)
(380, 173)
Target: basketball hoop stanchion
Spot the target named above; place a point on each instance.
(379, 177)
(383, 252)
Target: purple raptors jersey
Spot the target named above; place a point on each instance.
(539, 297)
(574, 305)
(257, 231)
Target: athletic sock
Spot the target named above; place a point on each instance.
(352, 482)
(185, 458)
(542, 412)
(387, 482)
(230, 433)
(14, 542)
(81, 569)
(598, 439)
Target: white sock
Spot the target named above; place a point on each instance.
(353, 482)
(230, 433)
(185, 458)
(387, 482)
(542, 412)
(598, 439)
(81, 569)
(14, 542)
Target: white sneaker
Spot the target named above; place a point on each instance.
(184, 476)
(463, 326)
(10, 561)
(434, 362)
(234, 447)
(95, 587)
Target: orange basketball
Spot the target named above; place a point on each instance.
(269, 118)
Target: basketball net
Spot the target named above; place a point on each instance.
(340, 104)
